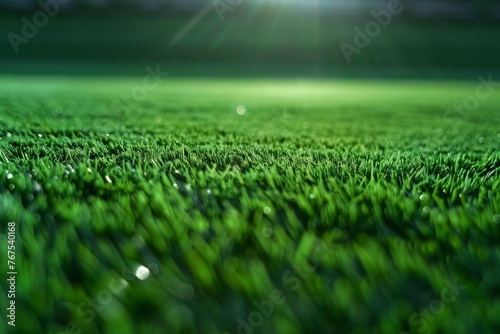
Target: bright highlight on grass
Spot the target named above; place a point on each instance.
(241, 110)
(142, 272)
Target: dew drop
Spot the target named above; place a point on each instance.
(241, 110)
(142, 272)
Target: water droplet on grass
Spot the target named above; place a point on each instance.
(108, 179)
(9, 134)
(89, 170)
(241, 110)
(37, 186)
(482, 140)
(496, 219)
(9, 176)
(142, 272)
(267, 210)
(311, 196)
(39, 135)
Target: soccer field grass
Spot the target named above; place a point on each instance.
(251, 206)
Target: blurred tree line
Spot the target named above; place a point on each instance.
(477, 9)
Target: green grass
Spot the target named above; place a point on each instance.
(367, 180)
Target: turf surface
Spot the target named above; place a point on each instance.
(353, 206)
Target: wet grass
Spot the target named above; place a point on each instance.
(327, 207)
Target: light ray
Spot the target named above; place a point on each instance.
(188, 26)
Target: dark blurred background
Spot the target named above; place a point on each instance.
(248, 37)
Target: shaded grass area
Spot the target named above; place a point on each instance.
(360, 202)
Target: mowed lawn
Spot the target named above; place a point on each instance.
(251, 206)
